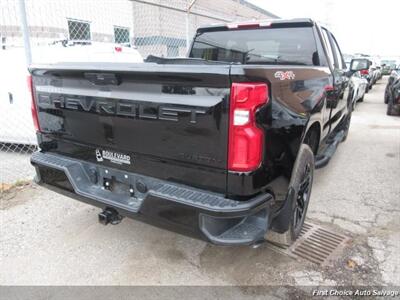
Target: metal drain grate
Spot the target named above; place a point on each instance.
(317, 245)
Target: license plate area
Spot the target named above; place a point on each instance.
(120, 183)
(114, 185)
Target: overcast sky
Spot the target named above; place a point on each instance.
(367, 26)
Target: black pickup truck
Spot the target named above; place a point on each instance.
(221, 145)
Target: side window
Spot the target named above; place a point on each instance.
(338, 54)
(328, 48)
(320, 50)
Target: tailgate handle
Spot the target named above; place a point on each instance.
(103, 78)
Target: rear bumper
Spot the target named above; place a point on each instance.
(198, 213)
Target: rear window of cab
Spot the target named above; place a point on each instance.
(273, 46)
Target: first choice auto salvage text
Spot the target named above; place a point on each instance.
(356, 292)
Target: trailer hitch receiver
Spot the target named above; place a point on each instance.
(109, 215)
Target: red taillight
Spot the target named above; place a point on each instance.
(245, 138)
(364, 72)
(118, 49)
(33, 105)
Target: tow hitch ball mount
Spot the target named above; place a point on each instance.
(109, 215)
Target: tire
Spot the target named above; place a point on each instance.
(361, 99)
(390, 111)
(301, 184)
(386, 100)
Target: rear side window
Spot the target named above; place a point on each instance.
(328, 48)
(338, 53)
(275, 46)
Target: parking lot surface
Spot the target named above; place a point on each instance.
(48, 239)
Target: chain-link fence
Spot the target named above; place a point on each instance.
(45, 31)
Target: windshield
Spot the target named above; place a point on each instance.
(258, 46)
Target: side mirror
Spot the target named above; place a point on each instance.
(359, 64)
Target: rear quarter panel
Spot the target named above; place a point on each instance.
(296, 102)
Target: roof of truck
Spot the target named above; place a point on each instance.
(260, 23)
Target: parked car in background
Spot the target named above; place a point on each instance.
(347, 59)
(15, 104)
(392, 93)
(86, 51)
(388, 65)
(359, 86)
(378, 73)
(386, 69)
(374, 72)
(368, 75)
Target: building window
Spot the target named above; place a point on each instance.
(121, 35)
(172, 51)
(79, 30)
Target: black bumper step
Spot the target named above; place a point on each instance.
(223, 221)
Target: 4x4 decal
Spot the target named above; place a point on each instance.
(283, 75)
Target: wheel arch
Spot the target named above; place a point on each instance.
(312, 136)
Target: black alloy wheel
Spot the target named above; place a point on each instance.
(302, 199)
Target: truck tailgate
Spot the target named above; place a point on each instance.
(165, 121)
